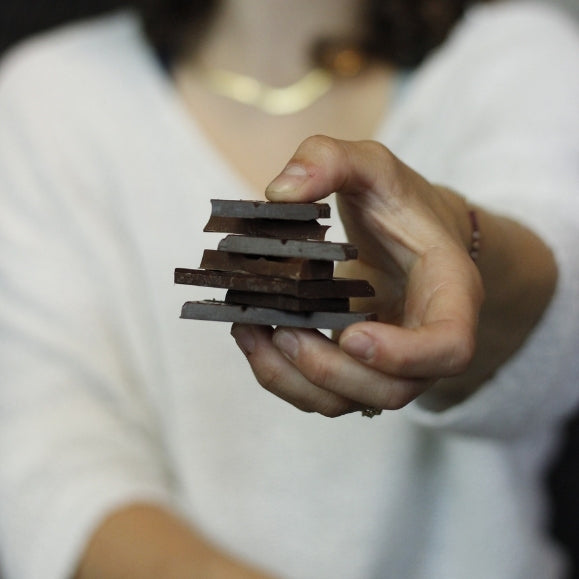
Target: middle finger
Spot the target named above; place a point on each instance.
(324, 364)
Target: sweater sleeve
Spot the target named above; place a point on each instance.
(78, 435)
(512, 112)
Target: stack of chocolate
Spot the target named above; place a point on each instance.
(276, 266)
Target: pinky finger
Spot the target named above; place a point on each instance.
(276, 374)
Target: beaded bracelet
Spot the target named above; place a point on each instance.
(475, 235)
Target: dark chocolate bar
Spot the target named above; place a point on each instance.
(286, 302)
(222, 312)
(277, 228)
(324, 250)
(267, 210)
(276, 267)
(308, 288)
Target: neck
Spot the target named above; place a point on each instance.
(271, 40)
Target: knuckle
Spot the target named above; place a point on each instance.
(333, 409)
(384, 156)
(304, 407)
(398, 394)
(388, 399)
(270, 377)
(398, 400)
(321, 143)
(326, 151)
(321, 374)
(379, 150)
(461, 353)
(402, 362)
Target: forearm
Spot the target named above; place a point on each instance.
(146, 541)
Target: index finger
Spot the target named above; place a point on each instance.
(322, 165)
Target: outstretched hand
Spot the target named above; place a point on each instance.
(413, 239)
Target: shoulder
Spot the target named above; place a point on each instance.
(507, 22)
(507, 51)
(495, 107)
(72, 101)
(514, 34)
(70, 45)
(72, 61)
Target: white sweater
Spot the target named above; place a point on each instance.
(107, 397)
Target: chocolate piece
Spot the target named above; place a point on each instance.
(325, 250)
(294, 268)
(277, 228)
(277, 268)
(309, 288)
(267, 210)
(222, 312)
(285, 302)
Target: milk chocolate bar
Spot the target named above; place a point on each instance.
(294, 268)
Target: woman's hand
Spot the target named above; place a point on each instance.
(413, 241)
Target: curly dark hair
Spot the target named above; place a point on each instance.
(401, 32)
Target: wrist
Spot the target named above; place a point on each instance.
(461, 221)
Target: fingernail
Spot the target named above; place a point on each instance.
(244, 338)
(359, 345)
(287, 181)
(287, 342)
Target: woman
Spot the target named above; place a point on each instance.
(144, 448)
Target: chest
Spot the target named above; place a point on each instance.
(258, 145)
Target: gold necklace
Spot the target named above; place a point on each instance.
(272, 100)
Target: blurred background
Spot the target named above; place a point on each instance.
(20, 18)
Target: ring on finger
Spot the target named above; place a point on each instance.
(371, 412)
